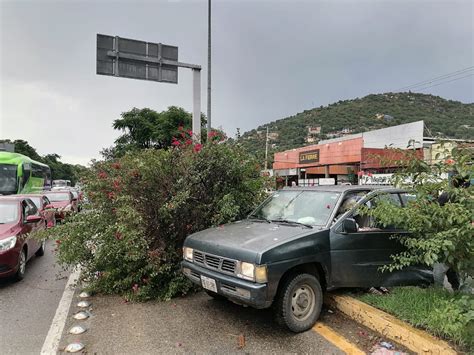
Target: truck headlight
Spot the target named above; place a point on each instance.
(7, 243)
(252, 272)
(188, 253)
(246, 271)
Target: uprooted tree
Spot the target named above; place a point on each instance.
(143, 205)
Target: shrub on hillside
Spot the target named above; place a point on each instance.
(142, 207)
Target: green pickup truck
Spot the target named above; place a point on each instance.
(297, 244)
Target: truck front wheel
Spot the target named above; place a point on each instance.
(299, 302)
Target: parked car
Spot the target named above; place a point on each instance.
(18, 218)
(63, 202)
(44, 206)
(299, 243)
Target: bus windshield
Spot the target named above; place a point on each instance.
(8, 179)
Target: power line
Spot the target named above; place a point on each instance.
(444, 82)
(437, 78)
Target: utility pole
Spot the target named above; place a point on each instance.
(208, 66)
(266, 151)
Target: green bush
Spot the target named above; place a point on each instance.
(143, 205)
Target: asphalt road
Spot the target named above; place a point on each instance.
(194, 324)
(27, 307)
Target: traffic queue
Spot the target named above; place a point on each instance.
(24, 214)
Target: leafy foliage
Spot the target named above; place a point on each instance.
(145, 128)
(360, 115)
(143, 205)
(439, 217)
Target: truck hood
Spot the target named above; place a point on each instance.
(243, 240)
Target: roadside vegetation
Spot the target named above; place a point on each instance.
(443, 314)
(142, 206)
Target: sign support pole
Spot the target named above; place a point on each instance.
(197, 105)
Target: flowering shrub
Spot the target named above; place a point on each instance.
(142, 207)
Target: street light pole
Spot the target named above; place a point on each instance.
(208, 66)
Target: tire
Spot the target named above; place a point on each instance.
(216, 296)
(20, 274)
(40, 251)
(299, 302)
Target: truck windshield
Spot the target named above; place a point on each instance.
(306, 207)
(8, 180)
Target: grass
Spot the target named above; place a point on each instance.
(444, 314)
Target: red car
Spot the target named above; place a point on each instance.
(63, 202)
(18, 218)
(45, 208)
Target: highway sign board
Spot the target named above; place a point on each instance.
(129, 58)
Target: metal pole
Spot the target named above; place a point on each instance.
(266, 151)
(197, 105)
(209, 67)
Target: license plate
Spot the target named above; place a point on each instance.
(209, 284)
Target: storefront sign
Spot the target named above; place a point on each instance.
(311, 156)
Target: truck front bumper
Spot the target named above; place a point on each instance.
(237, 290)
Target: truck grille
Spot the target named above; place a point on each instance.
(214, 262)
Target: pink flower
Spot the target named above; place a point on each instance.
(102, 175)
(189, 141)
(197, 147)
(175, 143)
(180, 128)
(449, 161)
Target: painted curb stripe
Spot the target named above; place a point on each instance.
(51, 343)
(337, 339)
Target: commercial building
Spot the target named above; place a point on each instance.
(357, 158)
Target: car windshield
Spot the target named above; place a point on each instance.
(8, 212)
(305, 207)
(58, 197)
(8, 180)
(36, 200)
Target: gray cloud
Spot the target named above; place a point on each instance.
(270, 59)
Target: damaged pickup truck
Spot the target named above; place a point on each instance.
(297, 244)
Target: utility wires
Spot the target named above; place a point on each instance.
(440, 80)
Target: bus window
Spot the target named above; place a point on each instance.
(8, 179)
(26, 174)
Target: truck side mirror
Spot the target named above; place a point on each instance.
(349, 225)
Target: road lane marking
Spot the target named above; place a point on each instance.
(337, 339)
(51, 343)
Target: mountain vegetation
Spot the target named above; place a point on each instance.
(443, 118)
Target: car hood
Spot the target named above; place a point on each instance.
(7, 230)
(243, 240)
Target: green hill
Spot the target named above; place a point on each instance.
(443, 118)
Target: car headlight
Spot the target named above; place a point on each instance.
(252, 272)
(188, 253)
(7, 243)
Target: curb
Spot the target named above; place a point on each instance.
(414, 339)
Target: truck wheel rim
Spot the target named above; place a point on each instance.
(22, 265)
(302, 302)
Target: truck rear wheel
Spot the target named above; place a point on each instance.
(299, 302)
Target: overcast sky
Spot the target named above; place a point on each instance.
(271, 59)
